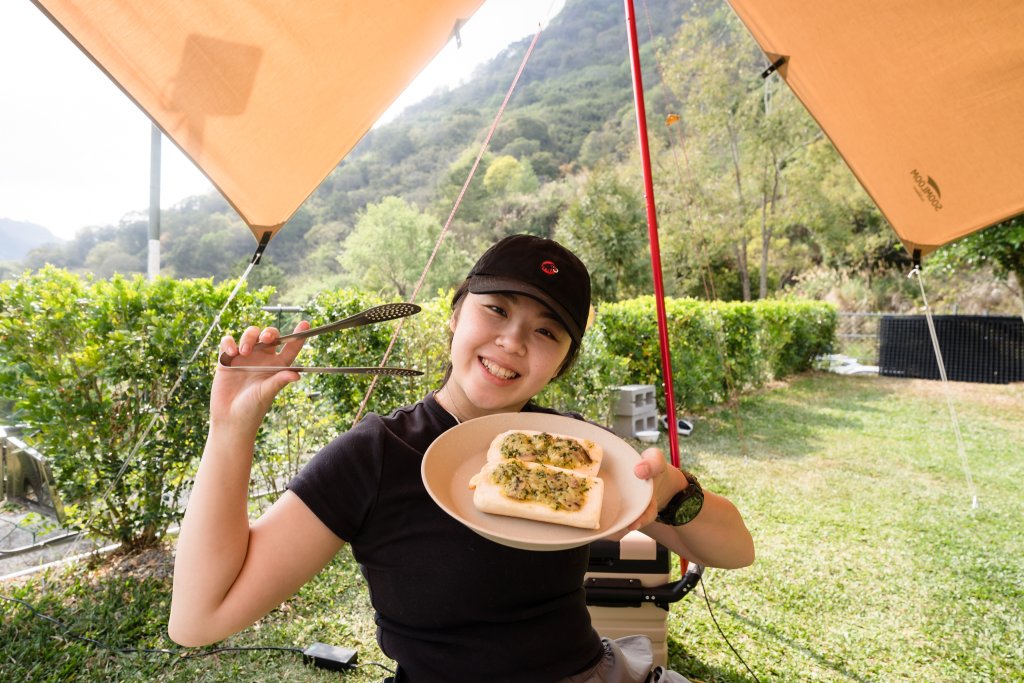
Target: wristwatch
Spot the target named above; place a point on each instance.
(685, 505)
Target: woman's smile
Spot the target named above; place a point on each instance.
(497, 370)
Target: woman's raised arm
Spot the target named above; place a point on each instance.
(227, 572)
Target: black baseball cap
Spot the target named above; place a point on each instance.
(541, 269)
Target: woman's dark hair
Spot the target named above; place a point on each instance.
(459, 297)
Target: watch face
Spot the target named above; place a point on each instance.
(688, 509)
(685, 505)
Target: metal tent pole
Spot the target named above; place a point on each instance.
(652, 230)
(153, 252)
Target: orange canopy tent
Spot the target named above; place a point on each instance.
(924, 99)
(265, 96)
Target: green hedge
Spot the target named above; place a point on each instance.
(717, 347)
(86, 364)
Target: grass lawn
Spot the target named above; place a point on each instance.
(872, 564)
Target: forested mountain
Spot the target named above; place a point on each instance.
(17, 238)
(570, 101)
(752, 198)
(577, 81)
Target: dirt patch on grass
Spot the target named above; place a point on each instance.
(157, 562)
(997, 396)
(139, 565)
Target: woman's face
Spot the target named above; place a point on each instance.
(505, 349)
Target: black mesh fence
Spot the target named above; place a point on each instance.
(988, 349)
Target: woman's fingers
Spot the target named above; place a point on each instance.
(248, 340)
(291, 348)
(260, 347)
(228, 345)
(667, 481)
(652, 464)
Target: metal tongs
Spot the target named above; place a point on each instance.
(376, 314)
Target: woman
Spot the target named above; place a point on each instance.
(451, 605)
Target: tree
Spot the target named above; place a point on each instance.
(743, 129)
(52, 254)
(830, 220)
(107, 258)
(212, 245)
(390, 245)
(475, 209)
(507, 175)
(605, 226)
(1001, 246)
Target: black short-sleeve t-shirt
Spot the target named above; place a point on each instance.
(450, 604)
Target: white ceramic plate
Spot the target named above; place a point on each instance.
(460, 452)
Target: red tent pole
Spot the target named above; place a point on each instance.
(652, 230)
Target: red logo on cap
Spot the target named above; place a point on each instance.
(549, 268)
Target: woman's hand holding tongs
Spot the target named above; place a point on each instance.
(267, 342)
(240, 400)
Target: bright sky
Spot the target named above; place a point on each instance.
(74, 151)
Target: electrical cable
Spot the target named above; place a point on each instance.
(707, 601)
(179, 653)
(377, 664)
